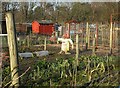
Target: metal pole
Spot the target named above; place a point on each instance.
(3, 34)
(12, 43)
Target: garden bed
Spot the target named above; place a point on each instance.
(59, 70)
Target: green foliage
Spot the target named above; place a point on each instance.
(90, 70)
(5, 75)
(6, 71)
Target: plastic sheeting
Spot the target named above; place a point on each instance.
(41, 53)
(25, 55)
(29, 54)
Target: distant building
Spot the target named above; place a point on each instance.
(45, 27)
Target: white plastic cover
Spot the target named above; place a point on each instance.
(41, 53)
(26, 54)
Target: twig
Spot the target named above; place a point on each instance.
(106, 77)
(18, 77)
(5, 78)
(97, 79)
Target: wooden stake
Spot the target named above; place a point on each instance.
(111, 36)
(102, 38)
(76, 60)
(12, 43)
(96, 35)
(45, 44)
(87, 36)
(116, 38)
(30, 38)
(77, 46)
(69, 30)
(28, 41)
(114, 35)
(93, 49)
(82, 40)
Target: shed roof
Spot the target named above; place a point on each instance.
(72, 21)
(45, 22)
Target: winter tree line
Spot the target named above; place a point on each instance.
(62, 11)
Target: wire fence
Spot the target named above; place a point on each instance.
(102, 31)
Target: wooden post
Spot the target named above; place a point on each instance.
(111, 35)
(39, 40)
(118, 39)
(82, 39)
(102, 38)
(77, 46)
(12, 49)
(114, 35)
(69, 30)
(87, 36)
(28, 41)
(96, 35)
(30, 35)
(45, 44)
(76, 60)
(93, 49)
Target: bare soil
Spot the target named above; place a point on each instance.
(54, 50)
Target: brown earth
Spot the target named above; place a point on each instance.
(54, 49)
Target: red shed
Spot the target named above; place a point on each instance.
(35, 27)
(43, 27)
